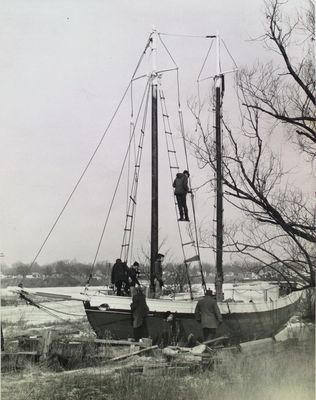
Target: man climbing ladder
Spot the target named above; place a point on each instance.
(181, 189)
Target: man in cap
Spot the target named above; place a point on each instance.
(133, 274)
(181, 189)
(157, 284)
(209, 315)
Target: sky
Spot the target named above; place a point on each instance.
(64, 66)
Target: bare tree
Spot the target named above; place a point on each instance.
(279, 229)
(286, 92)
(176, 276)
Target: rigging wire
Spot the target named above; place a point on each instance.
(213, 221)
(135, 155)
(231, 57)
(198, 79)
(205, 59)
(187, 35)
(39, 306)
(137, 177)
(167, 50)
(116, 187)
(92, 156)
(174, 164)
(180, 114)
(129, 165)
(130, 135)
(168, 129)
(192, 233)
(60, 312)
(131, 207)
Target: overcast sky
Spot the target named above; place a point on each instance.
(64, 66)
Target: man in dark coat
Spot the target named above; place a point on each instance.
(158, 273)
(208, 314)
(133, 273)
(2, 338)
(139, 311)
(181, 189)
(119, 276)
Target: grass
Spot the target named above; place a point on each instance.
(287, 375)
(12, 329)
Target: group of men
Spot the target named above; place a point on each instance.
(207, 313)
(123, 277)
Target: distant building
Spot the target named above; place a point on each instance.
(33, 275)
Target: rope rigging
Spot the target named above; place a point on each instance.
(210, 128)
(93, 154)
(117, 184)
(132, 200)
(129, 228)
(132, 184)
(174, 167)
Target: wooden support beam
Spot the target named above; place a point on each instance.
(258, 346)
(47, 339)
(110, 342)
(134, 353)
(218, 339)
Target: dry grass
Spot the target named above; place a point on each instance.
(283, 376)
(287, 375)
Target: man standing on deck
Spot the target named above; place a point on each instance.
(208, 314)
(119, 276)
(133, 273)
(181, 189)
(158, 275)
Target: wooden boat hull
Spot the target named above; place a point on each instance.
(242, 321)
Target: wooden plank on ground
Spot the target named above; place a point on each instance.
(111, 342)
(218, 339)
(19, 353)
(257, 346)
(134, 353)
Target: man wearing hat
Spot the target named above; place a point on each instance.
(208, 314)
(139, 311)
(181, 189)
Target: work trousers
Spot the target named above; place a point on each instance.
(141, 331)
(182, 205)
(208, 333)
(118, 285)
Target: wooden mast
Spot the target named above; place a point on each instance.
(219, 180)
(154, 158)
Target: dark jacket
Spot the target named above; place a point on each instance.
(139, 309)
(133, 274)
(207, 312)
(180, 184)
(158, 269)
(119, 272)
